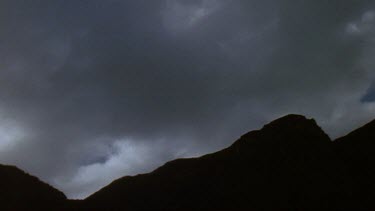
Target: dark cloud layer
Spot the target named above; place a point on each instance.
(93, 90)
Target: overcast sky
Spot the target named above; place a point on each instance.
(93, 90)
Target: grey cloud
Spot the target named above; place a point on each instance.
(170, 78)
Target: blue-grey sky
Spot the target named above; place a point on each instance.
(92, 90)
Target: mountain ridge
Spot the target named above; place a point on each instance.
(288, 164)
(251, 148)
(21, 191)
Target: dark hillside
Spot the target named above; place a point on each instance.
(357, 153)
(287, 165)
(21, 191)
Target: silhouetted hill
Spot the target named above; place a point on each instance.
(357, 153)
(21, 191)
(287, 165)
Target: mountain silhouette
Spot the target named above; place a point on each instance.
(357, 154)
(21, 191)
(284, 166)
(289, 164)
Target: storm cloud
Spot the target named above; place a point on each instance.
(94, 90)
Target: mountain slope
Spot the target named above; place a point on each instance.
(357, 153)
(21, 191)
(289, 164)
(284, 166)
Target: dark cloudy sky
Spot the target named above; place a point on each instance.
(92, 90)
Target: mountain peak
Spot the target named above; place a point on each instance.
(291, 133)
(291, 120)
(296, 124)
(292, 124)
